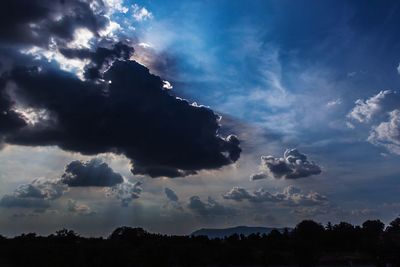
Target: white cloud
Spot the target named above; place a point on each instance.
(110, 30)
(381, 112)
(116, 6)
(364, 111)
(387, 133)
(141, 13)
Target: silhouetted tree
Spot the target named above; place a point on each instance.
(308, 244)
(308, 238)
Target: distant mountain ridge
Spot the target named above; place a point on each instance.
(244, 230)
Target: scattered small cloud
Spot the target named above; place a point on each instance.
(258, 176)
(37, 194)
(125, 192)
(290, 196)
(141, 13)
(209, 208)
(351, 74)
(334, 103)
(350, 125)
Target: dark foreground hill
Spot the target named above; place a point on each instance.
(308, 244)
(239, 230)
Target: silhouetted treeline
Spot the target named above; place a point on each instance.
(308, 244)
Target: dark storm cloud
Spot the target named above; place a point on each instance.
(9, 119)
(210, 208)
(117, 106)
(27, 22)
(133, 115)
(91, 173)
(36, 194)
(171, 195)
(293, 165)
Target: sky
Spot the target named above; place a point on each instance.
(180, 115)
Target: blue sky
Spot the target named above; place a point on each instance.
(303, 75)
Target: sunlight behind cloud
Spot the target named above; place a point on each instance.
(82, 37)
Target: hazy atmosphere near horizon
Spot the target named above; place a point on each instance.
(180, 115)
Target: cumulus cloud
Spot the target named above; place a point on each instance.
(293, 165)
(365, 110)
(171, 195)
(133, 115)
(125, 192)
(290, 196)
(387, 133)
(209, 208)
(382, 114)
(90, 173)
(36, 194)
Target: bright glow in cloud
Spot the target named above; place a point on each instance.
(67, 64)
(32, 116)
(145, 45)
(82, 37)
(167, 85)
(110, 30)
